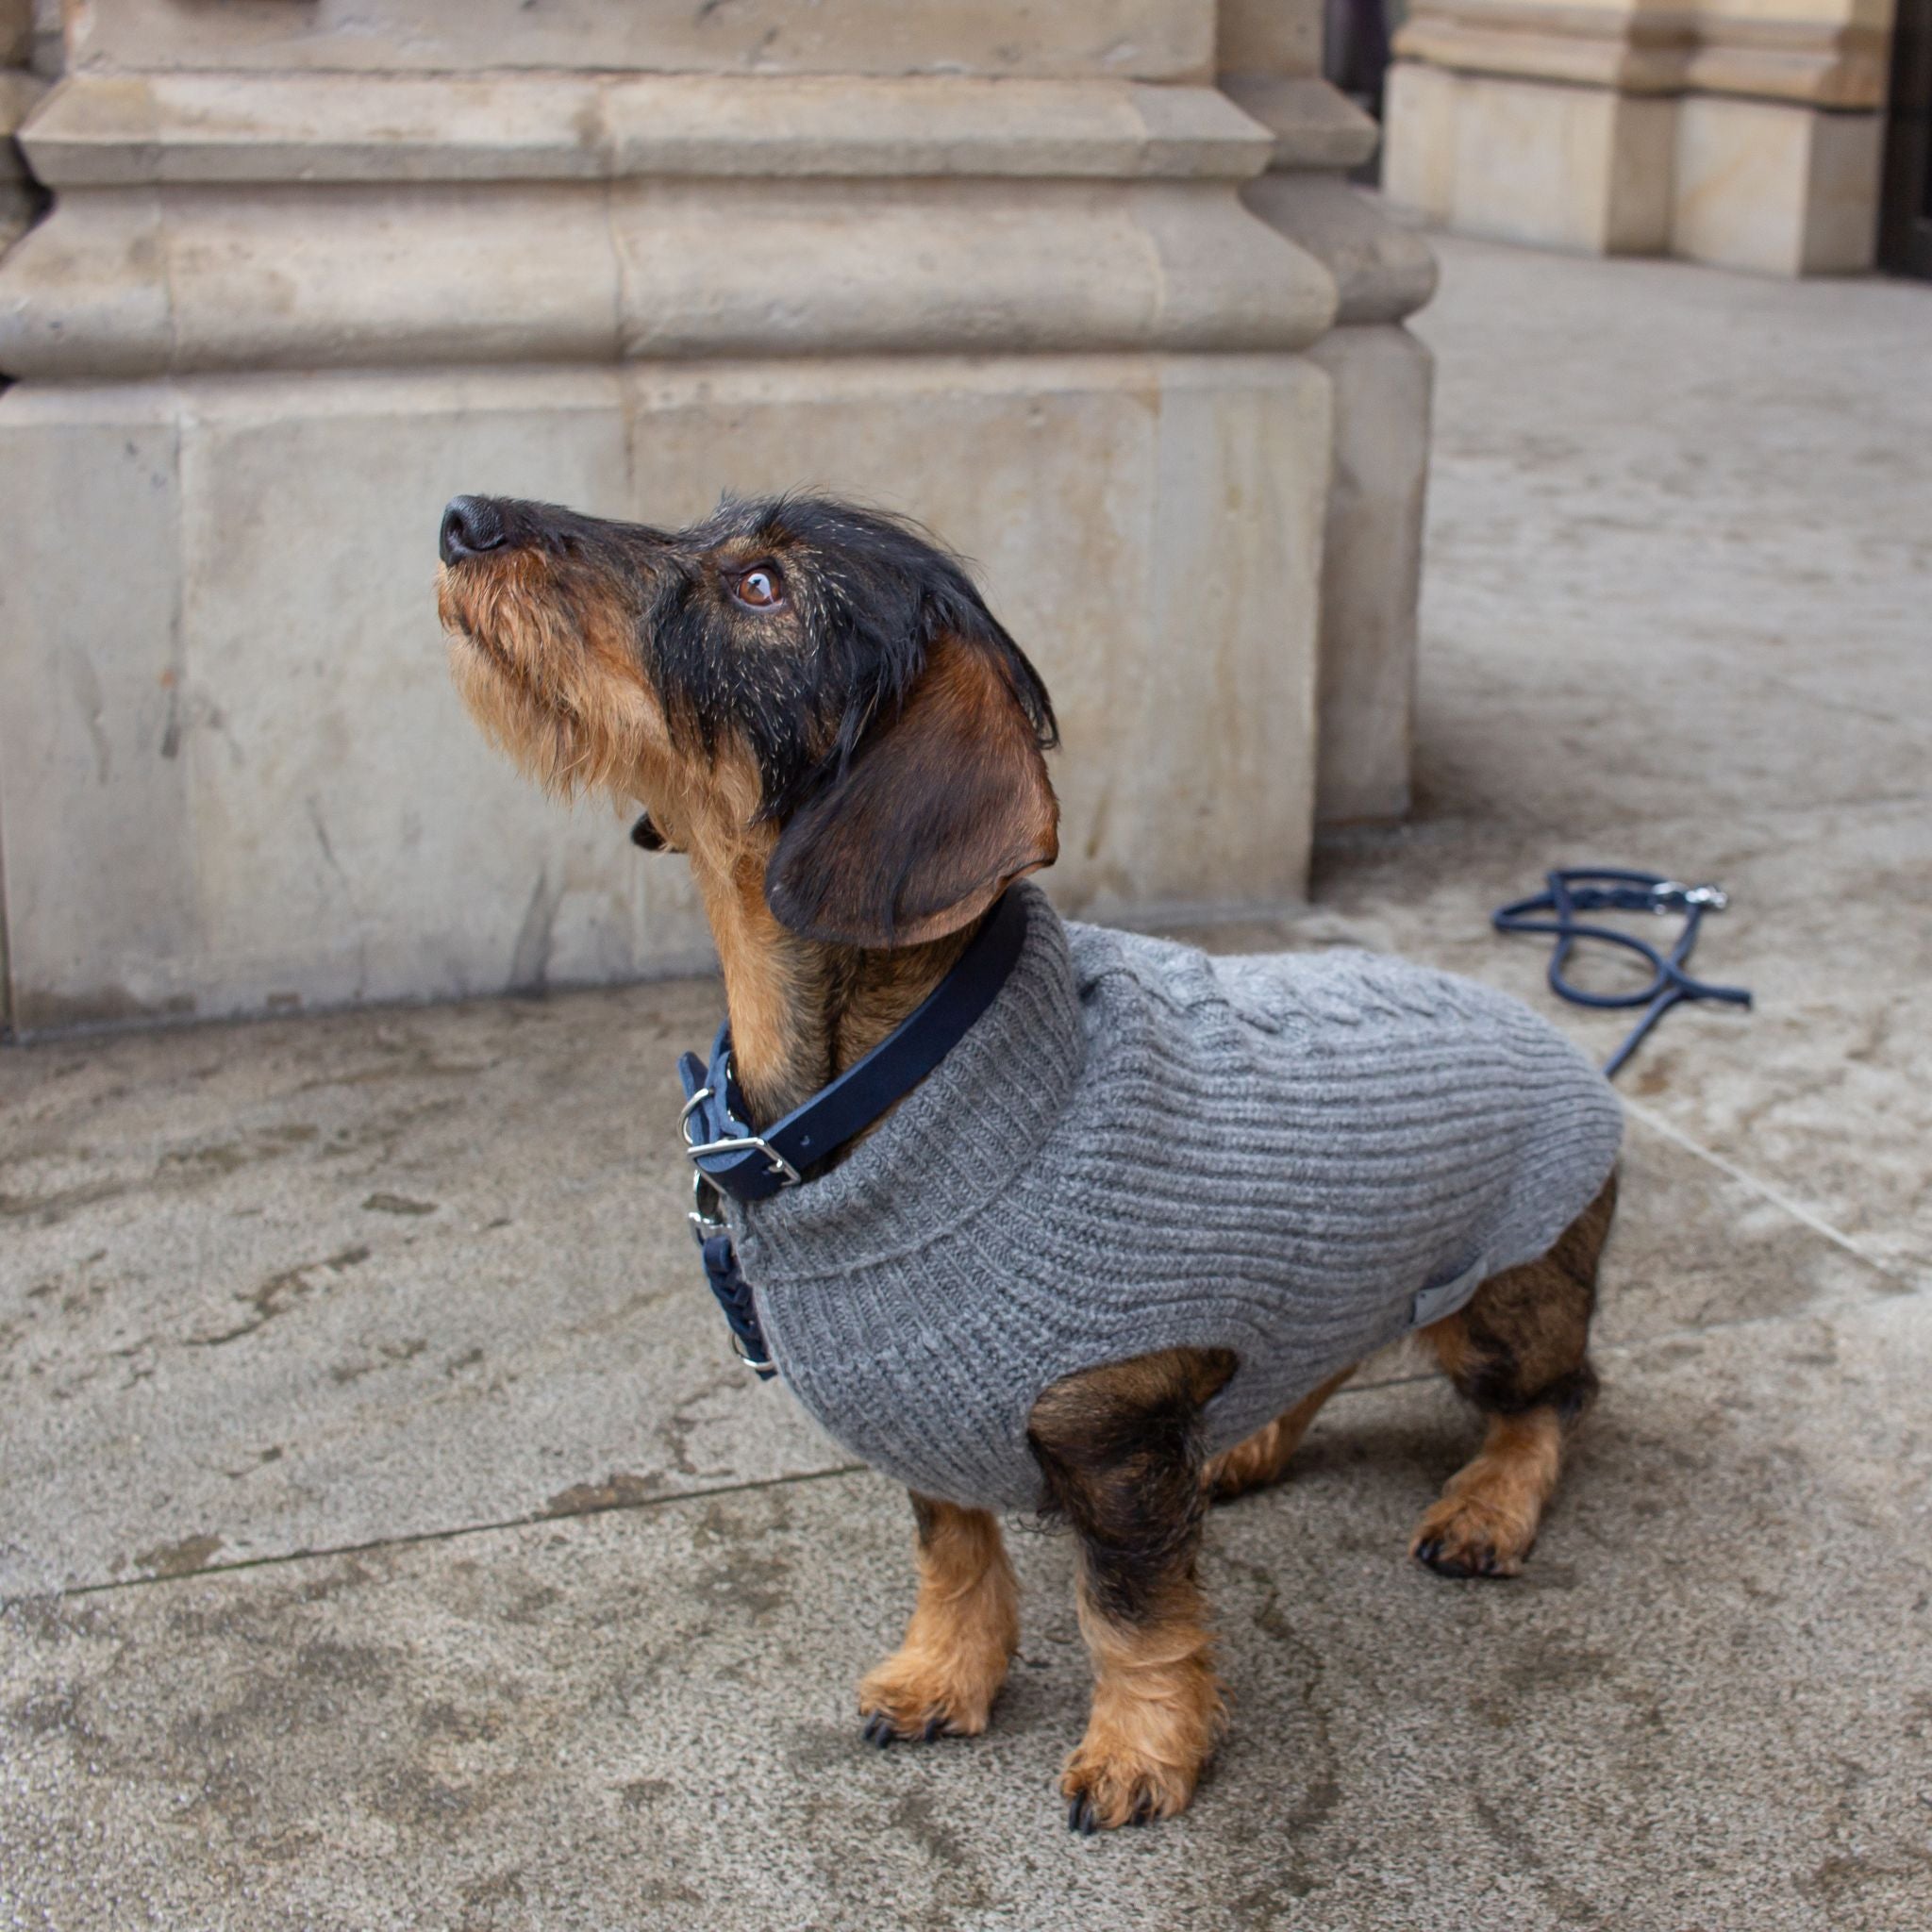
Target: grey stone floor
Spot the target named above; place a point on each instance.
(389, 1542)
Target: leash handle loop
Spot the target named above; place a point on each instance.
(1609, 889)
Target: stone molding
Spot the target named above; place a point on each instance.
(1314, 125)
(1273, 38)
(1138, 40)
(170, 130)
(1383, 271)
(19, 91)
(1827, 64)
(213, 222)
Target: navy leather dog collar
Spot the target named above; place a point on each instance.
(732, 1159)
(750, 1166)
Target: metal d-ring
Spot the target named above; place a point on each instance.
(690, 1108)
(699, 1150)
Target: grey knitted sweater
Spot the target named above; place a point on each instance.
(1137, 1146)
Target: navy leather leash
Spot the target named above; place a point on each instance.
(1609, 889)
(730, 1159)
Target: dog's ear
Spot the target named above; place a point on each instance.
(939, 809)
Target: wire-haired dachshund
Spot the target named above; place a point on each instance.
(813, 703)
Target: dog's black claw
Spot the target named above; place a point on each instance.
(878, 1730)
(1079, 1818)
(1143, 1812)
(935, 1726)
(1430, 1554)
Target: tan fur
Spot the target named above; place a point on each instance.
(964, 1629)
(1487, 1516)
(933, 819)
(541, 666)
(1156, 1712)
(1260, 1459)
(542, 663)
(543, 669)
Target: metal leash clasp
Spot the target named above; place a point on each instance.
(706, 1216)
(1669, 896)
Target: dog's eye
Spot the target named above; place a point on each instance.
(760, 588)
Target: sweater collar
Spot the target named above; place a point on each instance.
(751, 1166)
(959, 1138)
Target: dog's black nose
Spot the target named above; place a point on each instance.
(471, 526)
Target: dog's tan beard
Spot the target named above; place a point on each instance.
(557, 695)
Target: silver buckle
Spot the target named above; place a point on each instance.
(1670, 897)
(698, 1149)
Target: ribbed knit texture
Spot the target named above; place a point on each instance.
(1140, 1147)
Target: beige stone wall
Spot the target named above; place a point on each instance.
(239, 781)
(1024, 271)
(1739, 132)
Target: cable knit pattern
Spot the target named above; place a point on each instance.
(1138, 1147)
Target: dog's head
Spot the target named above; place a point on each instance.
(794, 683)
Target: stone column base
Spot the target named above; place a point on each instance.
(1371, 570)
(1781, 187)
(1372, 551)
(229, 746)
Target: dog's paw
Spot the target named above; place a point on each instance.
(1110, 1784)
(913, 1697)
(1145, 1747)
(1464, 1536)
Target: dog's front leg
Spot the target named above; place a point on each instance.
(1120, 1451)
(964, 1629)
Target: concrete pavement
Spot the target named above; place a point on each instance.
(390, 1541)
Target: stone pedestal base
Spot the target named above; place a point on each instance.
(1372, 551)
(229, 745)
(1782, 187)
(1371, 570)
(1773, 186)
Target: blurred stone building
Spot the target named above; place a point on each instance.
(1747, 133)
(1084, 287)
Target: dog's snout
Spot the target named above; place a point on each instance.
(471, 524)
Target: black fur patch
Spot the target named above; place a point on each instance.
(1125, 1476)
